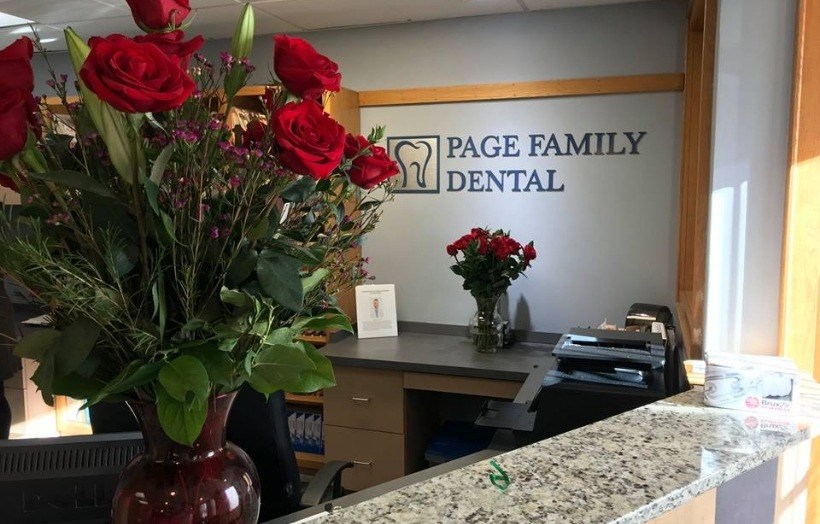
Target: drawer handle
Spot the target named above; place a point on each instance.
(360, 463)
(361, 400)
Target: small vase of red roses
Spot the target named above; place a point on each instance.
(488, 262)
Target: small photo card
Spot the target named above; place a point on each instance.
(376, 311)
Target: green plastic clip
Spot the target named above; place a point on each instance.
(500, 479)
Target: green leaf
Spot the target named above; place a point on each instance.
(74, 179)
(124, 257)
(242, 267)
(77, 386)
(236, 298)
(185, 379)
(324, 323)
(299, 191)
(135, 374)
(193, 325)
(181, 421)
(259, 230)
(44, 378)
(158, 169)
(218, 363)
(280, 337)
(75, 343)
(37, 344)
(313, 379)
(276, 366)
(152, 193)
(309, 283)
(279, 276)
(160, 306)
(168, 224)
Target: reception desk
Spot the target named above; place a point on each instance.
(665, 462)
(393, 392)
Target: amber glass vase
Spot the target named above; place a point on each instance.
(211, 481)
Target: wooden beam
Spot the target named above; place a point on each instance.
(799, 334)
(697, 8)
(695, 178)
(516, 90)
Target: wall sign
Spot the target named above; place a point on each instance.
(422, 170)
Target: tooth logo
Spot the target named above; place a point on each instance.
(418, 159)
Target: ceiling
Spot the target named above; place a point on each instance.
(216, 18)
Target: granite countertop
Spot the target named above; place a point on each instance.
(626, 469)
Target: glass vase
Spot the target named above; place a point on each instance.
(211, 481)
(486, 325)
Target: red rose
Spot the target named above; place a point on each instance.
(373, 166)
(254, 134)
(462, 243)
(503, 246)
(156, 15)
(529, 253)
(309, 141)
(452, 250)
(135, 77)
(302, 70)
(14, 123)
(15, 66)
(6, 181)
(172, 45)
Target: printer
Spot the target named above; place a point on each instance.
(597, 373)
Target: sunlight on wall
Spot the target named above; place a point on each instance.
(726, 264)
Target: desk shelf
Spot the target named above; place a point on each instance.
(305, 400)
(309, 461)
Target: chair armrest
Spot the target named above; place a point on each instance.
(330, 476)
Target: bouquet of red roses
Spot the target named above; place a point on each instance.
(489, 262)
(181, 258)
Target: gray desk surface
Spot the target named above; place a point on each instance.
(441, 354)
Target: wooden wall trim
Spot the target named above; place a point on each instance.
(800, 277)
(799, 328)
(517, 90)
(696, 172)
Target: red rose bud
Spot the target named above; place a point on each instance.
(135, 77)
(14, 123)
(6, 181)
(254, 134)
(303, 71)
(308, 140)
(157, 15)
(372, 167)
(172, 44)
(529, 253)
(15, 66)
(452, 250)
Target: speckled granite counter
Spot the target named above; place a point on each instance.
(626, 469)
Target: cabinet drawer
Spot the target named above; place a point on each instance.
(366, 399)
(377, 456)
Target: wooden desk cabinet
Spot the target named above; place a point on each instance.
(381, 420)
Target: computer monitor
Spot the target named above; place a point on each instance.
(63, 479)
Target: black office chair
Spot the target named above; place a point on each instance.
(260, 428)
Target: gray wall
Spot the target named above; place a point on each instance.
(755, 55)
(610, 238)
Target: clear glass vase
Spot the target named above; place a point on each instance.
(486, 325)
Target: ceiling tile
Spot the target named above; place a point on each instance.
(9, 35)
(220, 22)
(320, 14)
(51, 12)
(536, 5)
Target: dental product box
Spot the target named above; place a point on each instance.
(751, 383)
